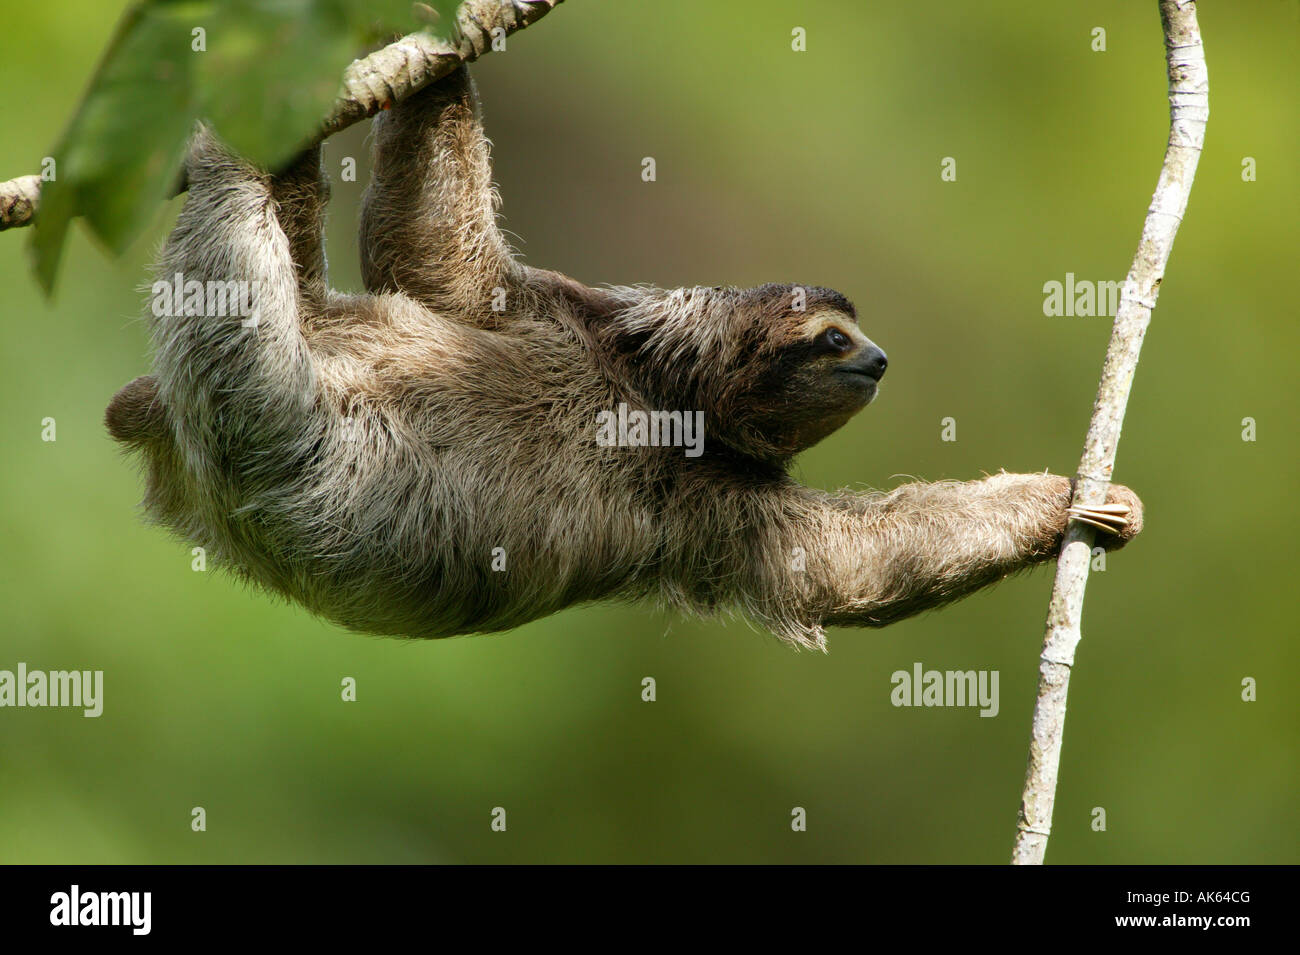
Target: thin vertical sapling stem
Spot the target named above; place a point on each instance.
(1189, 108)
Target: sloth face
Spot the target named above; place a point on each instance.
(834, 349)
(821, 370)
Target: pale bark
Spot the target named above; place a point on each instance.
(1188, 111)
(370, 84)
(18, 198)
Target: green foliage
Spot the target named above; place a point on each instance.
(263, 72)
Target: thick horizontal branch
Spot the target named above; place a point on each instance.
(387, 76)
(395, 72)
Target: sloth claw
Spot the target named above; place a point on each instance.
(1110, 518)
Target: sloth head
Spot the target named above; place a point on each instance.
(813, 371)
(775, 368)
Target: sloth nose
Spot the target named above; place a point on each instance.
(876, 362)
(871, 361)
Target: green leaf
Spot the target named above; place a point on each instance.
(120, 153)
(263, 72)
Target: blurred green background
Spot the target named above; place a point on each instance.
(819, 167)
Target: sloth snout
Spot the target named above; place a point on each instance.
(872, 363)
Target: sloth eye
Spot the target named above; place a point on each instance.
(836, 339)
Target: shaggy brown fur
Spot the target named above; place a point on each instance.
(423, 460)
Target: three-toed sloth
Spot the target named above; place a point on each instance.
(426, 459)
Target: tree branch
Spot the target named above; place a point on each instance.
(18, 199)
(1189, 108)
(387, 76)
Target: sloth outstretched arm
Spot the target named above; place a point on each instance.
(853, 559)
(426, 459)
